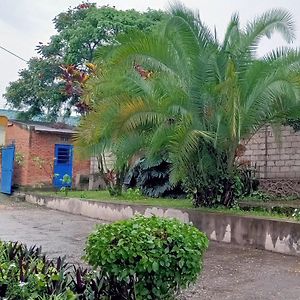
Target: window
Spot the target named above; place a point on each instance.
(63, 155)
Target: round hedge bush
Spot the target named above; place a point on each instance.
(151, 258)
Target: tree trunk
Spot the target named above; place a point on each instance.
(227, 197)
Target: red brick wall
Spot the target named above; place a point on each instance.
(21, 138)
(39, 146)
(81, 166)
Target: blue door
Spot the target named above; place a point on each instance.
(8, 159)
(63, 164)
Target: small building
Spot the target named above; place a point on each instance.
(43, 153)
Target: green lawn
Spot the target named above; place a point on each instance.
(104, 196)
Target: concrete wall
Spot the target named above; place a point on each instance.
(109, 160)
(274, 235)
(275, 160)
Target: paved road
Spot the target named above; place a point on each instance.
(230, 272)
(58, 233)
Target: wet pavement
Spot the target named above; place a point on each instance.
(230, 272)
(58, 233)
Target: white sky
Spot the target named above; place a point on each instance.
(24, 23)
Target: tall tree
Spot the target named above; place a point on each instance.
(80, 32)
(202, 97)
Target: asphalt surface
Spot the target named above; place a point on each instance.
(229, 272)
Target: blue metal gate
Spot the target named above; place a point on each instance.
(8, 159)
(63, 164)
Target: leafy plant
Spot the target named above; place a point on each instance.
(296, 214)
(27, 274)
(132, 194)
(47, 165)
(153, 179)
(67, 182)
(42, 87)
(83, 194)
(258, 196)
(19, 158)
(201, 99)
(148, 258)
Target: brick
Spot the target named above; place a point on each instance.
(284, 169)
(289, 163)
(290, 150)
(274, 169)
(276, 174)
(290, 138)
(258, 152)
(295, 168)
(284, 156)
(296, 144)
(253, 147)
(279, 163)
(261, 157)
(272, 151)
(273, 157)
(295, 156)
(285, 174)
(273, 145)
(260, 163)
(285, 145)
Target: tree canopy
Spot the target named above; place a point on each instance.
(200, 99)
(40, 89)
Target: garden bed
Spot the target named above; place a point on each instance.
(275, 209)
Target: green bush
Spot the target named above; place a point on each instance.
(133, 194)
(151, 258)
(152, 178)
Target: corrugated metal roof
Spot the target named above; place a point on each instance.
(46, 127)
(50, 129)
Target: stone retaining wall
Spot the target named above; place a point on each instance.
(274, 235)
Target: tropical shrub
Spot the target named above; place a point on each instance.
(148, 258)
(153, 179)
(27, 274)
(184, 92)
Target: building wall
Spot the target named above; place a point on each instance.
(275, 158)
(21, 138)
(109, 160)
(37, 150)
(81, 167)
(3, 125)
(40, 167)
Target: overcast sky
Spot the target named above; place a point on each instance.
(24, 23)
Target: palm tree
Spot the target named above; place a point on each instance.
(200, 99)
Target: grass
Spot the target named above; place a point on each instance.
(104, 196)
